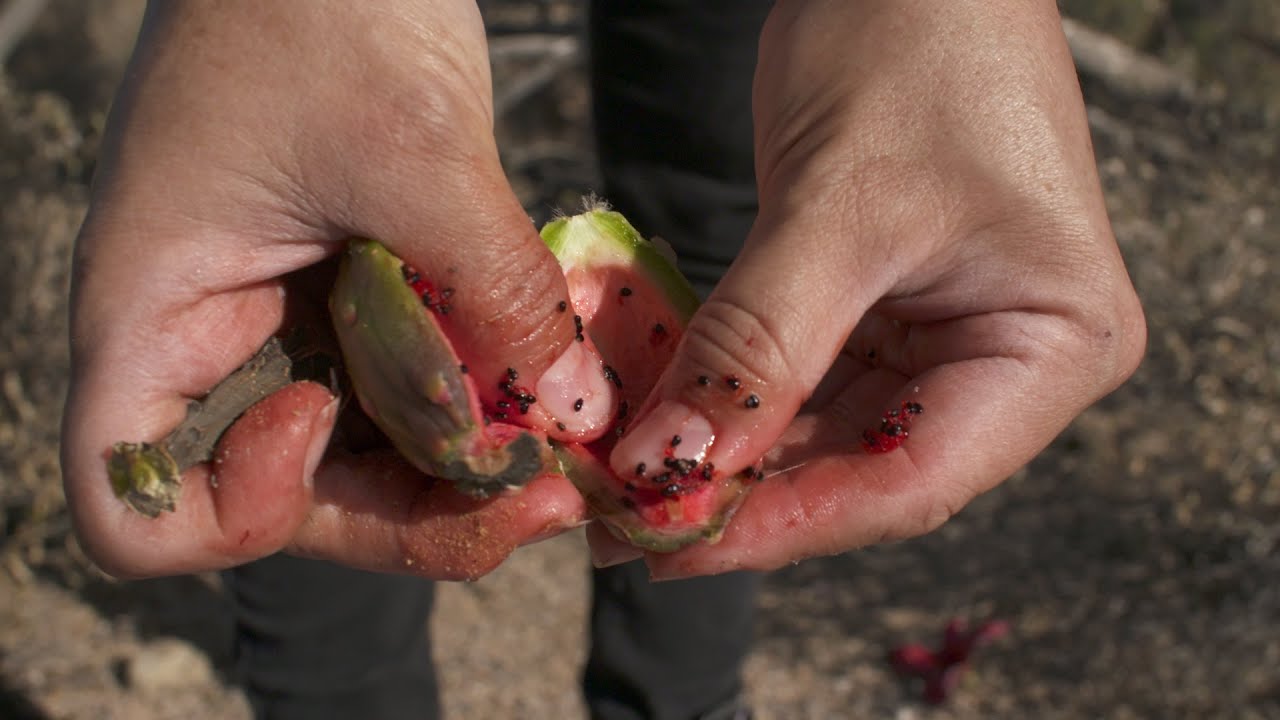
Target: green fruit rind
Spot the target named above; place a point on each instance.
(601, 490)
(596, 242)
(407, 377)
(603, 237)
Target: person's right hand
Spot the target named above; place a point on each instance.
(248, 142)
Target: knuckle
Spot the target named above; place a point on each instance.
(519, 312)
(931, 513)
(730, 338)
(1112, 341)
(1132, 343)
(935, 513)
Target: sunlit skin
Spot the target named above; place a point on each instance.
(927, 193)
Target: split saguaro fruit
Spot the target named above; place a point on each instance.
(631, 302)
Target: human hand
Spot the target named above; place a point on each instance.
(248, 142)
(932, 230)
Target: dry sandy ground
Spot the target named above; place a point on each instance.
(1137, 559)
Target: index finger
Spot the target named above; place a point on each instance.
(983, 418)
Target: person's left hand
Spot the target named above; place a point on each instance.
(931, 230)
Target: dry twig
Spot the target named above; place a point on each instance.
(555, 53)
(148, 476)
(1123, 69)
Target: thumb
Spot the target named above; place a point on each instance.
(756, 350)
(493, 286)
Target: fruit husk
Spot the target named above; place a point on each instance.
(409, 381)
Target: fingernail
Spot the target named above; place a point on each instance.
(575, 391)
(321, 430)
(671, 430)
(603, 557)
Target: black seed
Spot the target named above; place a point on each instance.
(562, 306)
(579, 337)
(446, 293)
(707, 470)
(622, 409)
(914, 408)
(619, 431)
(561, 427)
(504, 386)
(577, 405)
(463, 369)
(612, 376)
(675, 440)
(659, 328)
(499, 416)
(512, 374)
(640, 469)
(577, 322)
(406, 272)
(752, 402)
(662, 479)
(487, 420)
(628, 503)
(524, 408)
(503, 404)
(733, 382)
(893, 430)
(527, 399)
(759, 475)
(444, 309)
(625, 292)
(682, 466)
(426, 299)
(629, 487)
(891, 414)
(671, 490)
(704, 380)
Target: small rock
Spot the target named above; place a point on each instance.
(164, 665)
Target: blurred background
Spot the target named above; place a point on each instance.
(1136, 560)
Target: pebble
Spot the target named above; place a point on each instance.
(165, 665)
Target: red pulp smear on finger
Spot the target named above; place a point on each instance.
(432, 299)
(894, 429)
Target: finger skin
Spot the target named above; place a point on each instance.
(608, 549)
(258, 500)
(371, 511)
(394, 144)
(926, 183)
(377, 513)
(983, 419)
(247, 144)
